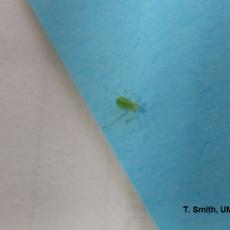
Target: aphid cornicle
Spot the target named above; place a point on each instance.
(125, 103)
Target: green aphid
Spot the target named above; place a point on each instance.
(126, 104)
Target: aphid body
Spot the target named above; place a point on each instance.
(126, 104)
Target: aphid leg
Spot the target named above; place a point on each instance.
(136, 117)
(115, 120)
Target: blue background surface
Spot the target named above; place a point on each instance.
(173, 58)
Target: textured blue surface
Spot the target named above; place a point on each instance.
(172, 57)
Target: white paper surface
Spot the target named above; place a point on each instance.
(56, 172)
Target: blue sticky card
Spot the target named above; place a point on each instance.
(172, 57)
